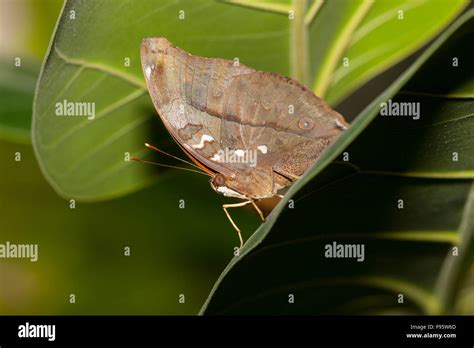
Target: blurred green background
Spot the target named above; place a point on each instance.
(81, 250)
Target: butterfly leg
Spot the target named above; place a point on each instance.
(236, 205)
(258, 210)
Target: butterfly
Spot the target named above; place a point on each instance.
(253, 132)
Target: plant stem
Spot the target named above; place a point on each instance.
(313, 10)
(323, 79)
(299, 61)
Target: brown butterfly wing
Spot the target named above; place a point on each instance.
(280, 116)
(188, 93)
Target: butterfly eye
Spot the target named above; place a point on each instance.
(219, 180)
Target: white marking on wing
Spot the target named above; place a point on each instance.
(340, 125)
(217, 157)
(263, 149)
(227, 192)
(148, 70)
(204, 138)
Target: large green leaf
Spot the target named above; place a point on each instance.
(408, 247)
(84, 158)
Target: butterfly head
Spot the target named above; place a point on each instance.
(223, 185)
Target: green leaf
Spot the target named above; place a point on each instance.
(465, 299)
(348, 204)
(83, 158)
(386, 32)
(452, 81)
(420, 148)
(457, 267)
(17, 86)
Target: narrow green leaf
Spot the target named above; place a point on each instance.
(371, 46)
(333, 55)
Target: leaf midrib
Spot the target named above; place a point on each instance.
(131, 79)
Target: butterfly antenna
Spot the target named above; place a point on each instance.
(170, 155)
(168, 166)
